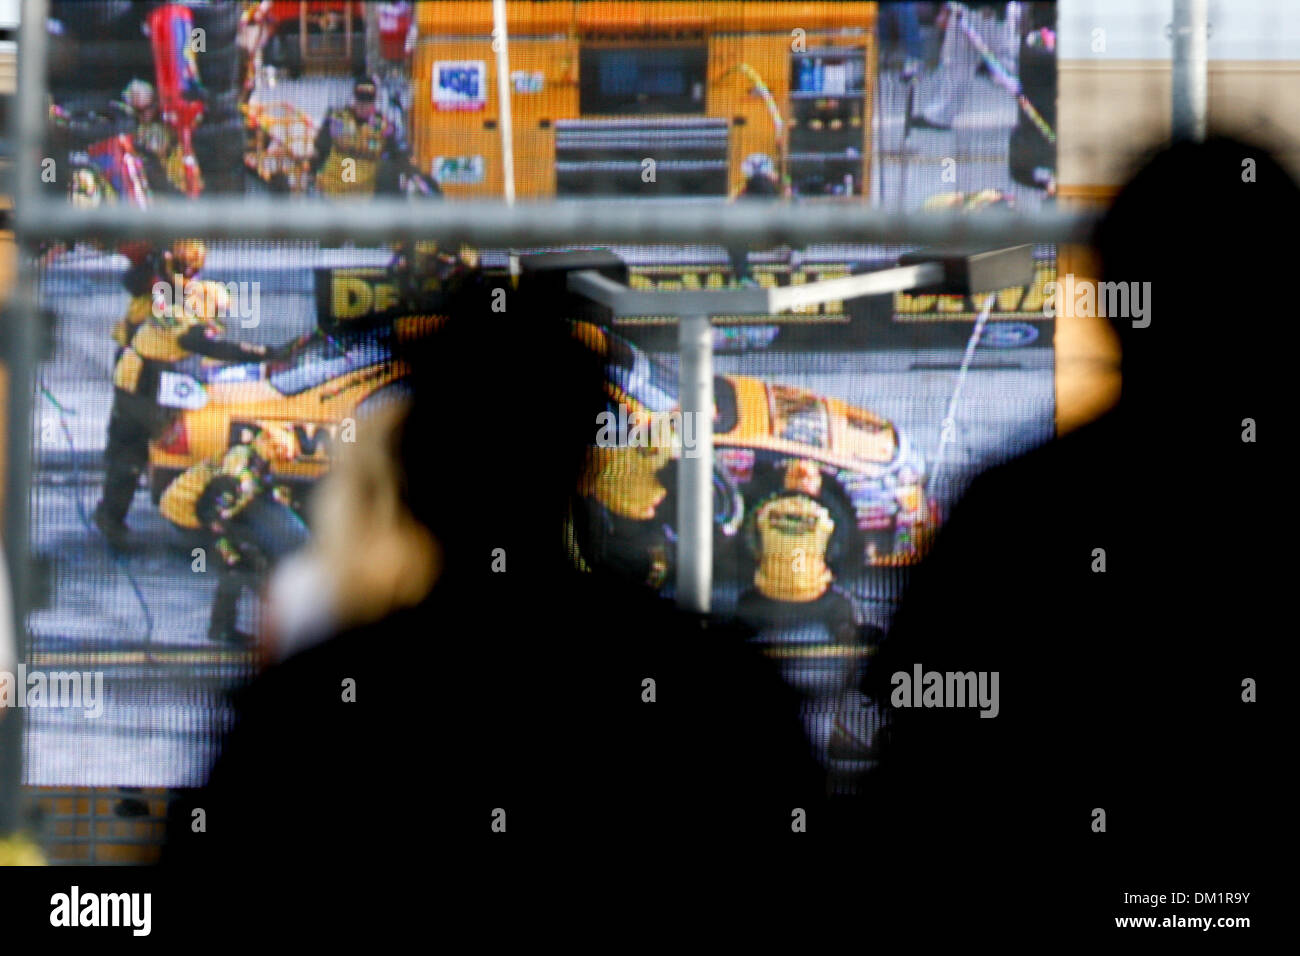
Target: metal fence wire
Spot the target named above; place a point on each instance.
(122, 825)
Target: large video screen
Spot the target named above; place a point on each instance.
(198, 393)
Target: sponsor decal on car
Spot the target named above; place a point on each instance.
(309, 442)
(176, 390)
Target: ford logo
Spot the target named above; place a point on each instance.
(1008, 335)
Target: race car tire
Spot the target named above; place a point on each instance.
(728, 501)
(222, 107)
(728, 504)
(219, 149)
(728, 520)
(846, 553)
(731, 560)
(220, 21)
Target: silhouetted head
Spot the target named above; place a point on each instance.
(504, 408)
(1200, 229)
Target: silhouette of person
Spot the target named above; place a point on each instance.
(565, 706)
(1121, 581)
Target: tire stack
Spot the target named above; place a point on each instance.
(219, 139)
(102, 47)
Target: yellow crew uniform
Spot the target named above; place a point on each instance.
(180, 503)
(794, 532)
(138, 311)
(342, 137)
(215, 498)
(147, 337)
(625, 480)
(169, 333)
(161, 142)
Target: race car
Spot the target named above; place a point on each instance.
(311, 400)
(873, 482)
(336, 376)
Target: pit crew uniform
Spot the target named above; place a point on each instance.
(157, 343)
(371, 144)
(139, 282)
(183, 262)
(792, 600)
(162, 155)
(223, 504)
(138, 310)
(794, 605)
(159, 146)
(626, 489)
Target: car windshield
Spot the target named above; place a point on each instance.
(327, 357)
(655, 387)
(644, 379)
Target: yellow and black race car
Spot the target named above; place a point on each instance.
(335, 377)
(868, 478)
(312, 400)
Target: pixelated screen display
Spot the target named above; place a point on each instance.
(197, 393)
(625, 80)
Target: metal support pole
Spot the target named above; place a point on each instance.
(372, 38)
(624, 301)
(1190, 68)
(501, 44)
(981, 272)
(695, 467)
(20, 360)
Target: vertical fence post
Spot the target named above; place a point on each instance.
(27, 123)
(1190, 69)
(695, 471)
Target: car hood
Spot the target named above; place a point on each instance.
(799, 421)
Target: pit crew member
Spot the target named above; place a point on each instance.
(242, 516)
(185, 258)
(157, 141)
(356, 147)
(169, 334)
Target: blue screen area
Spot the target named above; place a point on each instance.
(656, 73)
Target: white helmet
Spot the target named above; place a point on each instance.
(138, 95)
